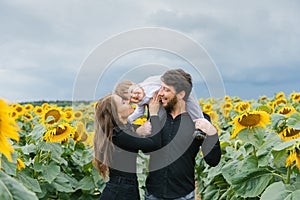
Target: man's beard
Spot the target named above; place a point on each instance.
(170, 105)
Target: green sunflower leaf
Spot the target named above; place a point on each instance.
(294, 121)
(11, 189)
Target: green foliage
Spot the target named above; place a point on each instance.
(53, 170)
(253, 165)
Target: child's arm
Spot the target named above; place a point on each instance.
(193, 108)
(138, 112)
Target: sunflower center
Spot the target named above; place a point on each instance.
(53, 113)
(60, 131)
(19, 109)
(285, 111)
(292, 132)
(250, 120)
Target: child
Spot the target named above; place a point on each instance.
(140, 94)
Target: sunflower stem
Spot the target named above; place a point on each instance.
(288, 176)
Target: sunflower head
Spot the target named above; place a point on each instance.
(80, 129)
(277, 102)
(280, 95)
(265, 108)
(8, 130)
(54, 112)
(289, 133)
(59, 133)
(286, 110)
(14, 114)
(19, 109)
(295, 97)
(68, 115)
(20, 164)
(263, 98)
(226, 108)
(294, 156)
(38, 110)
(77, 115)
(28, 107)
(207, 108)
(242, 106)
(250, 119)
(227, 98)
(27, 117)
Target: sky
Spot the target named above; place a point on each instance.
(252, 46)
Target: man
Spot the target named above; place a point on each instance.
(171, 168)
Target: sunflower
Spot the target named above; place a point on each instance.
(280, 95)
(286, 110)
(45, 106)
(13, 114)
(263, 98)
(27, 117)
(80, 129)
(201, 102)
(8, 129)
(227, 98)
(226, 108)
(207, 108)
(289, 134)
(277, 102)
(59, 133)
(265, 108)
(250, 119)
(19, 109)
(20, 164)
(295, 97)
(89, 141)
(242, 106)
(54, 112)
(214, 117)
(28, 107)
(77, 115)
(38, 110)
(68, 115)
(294, 156)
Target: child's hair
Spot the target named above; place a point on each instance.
(122, 89)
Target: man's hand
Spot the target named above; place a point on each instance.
(154, 104)
(145, 129)
(205, 126)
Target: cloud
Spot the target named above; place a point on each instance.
(45, 42)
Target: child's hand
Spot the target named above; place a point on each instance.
(145, 129)
(205, 126)
(154, 104)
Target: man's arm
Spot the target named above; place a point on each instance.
(211, 145)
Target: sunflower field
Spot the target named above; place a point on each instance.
(46, 150)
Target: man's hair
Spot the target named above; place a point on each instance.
(180, 80)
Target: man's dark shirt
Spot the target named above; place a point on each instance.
(172, 168)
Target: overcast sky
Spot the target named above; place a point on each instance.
(254, 45)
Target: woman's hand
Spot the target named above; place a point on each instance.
(154, 104)
(145, 129)
(205, 126)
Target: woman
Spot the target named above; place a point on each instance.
(116, 146)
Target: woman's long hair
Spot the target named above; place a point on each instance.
(105, 121)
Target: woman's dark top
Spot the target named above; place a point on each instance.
(122, 182)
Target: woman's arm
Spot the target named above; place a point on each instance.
(130, 141)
